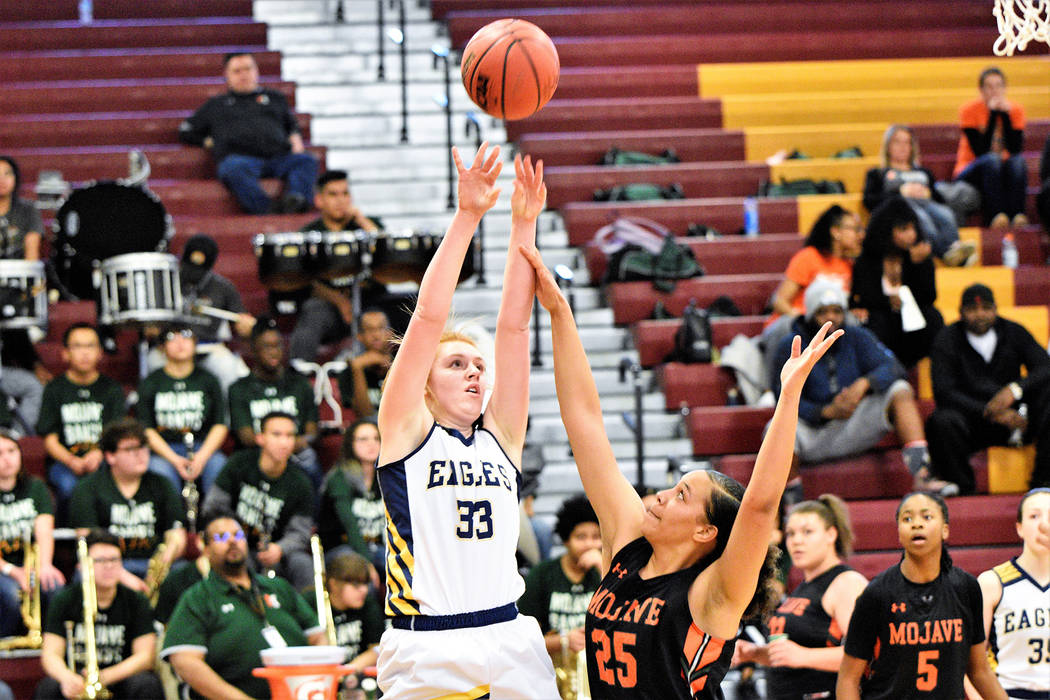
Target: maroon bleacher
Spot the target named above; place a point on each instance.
(655, 339)
(634, 301)
(621, 113)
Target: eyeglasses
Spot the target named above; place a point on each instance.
(134, 448)
(184, 333)
(227, 536)
(106, 561)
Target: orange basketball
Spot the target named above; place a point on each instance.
(510, 68)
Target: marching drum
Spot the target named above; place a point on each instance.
(103, 220)
(140, 288)
(340, 253)
(287, 261)
(23, 294)
(402, 257)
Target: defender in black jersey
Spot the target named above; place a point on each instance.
(806, 630)
(916, 630)
(680, 575)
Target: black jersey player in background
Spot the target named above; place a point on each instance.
(917, 629)
(806, 630)
(680, 575)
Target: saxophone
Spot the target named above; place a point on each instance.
(570, 673)
(324, 604)
(93, 688)
(190, 495)
(156, 572)
(29, 600)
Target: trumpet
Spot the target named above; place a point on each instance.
(156, 572)
(190, 495)
(324, 604)
(93, 688)
(29, 600)
(570, 673)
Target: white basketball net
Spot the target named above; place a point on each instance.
(1020, 21)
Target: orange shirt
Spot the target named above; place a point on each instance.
(807, 265)
(974, 115)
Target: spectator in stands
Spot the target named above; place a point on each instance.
(976, 367)
(273, 498)
(175, 584)
(203, 287)
(1043, 198)
(75, 406)
(222, 623)
(901, 174)
(557, 590)
(327, 316)
(352, 517)
(182, 402)
(137, 506)
(252, 133)
(990, 147)
(358, 617)
(828, 253)
(894, 284)
(26, 507)
(125, 642)
(361, 383)
(273, 386)
(855, 394)
(23, 374)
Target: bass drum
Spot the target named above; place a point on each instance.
(404, 257)
(100, 221)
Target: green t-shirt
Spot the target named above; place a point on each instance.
(175, 406)
(175, 584)
(18, 510)
(349, 514)
(374, 377)
(355, 629)
(77, 413)
(264, 505)
(126, 619)
(556, 602)
(140, 521)
(225, 622)
(252, 397)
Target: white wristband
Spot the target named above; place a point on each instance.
(1016, 390)
(7, 568)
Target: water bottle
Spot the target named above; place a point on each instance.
(1017, 436)
(1009, 252)
(85, 9)
(750, 216)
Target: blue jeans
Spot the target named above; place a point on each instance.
(215, 463)
(1002, 184)
(62, 479)
(937, 222)
(241, 176)
(10, 616)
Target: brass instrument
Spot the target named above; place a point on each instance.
(570, 673)
(324, 604)
(71, 659)
(156, 572)
(190, 495)
(29, 600)
(93, 688)
(264, 541)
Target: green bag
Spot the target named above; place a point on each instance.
(639, 192)
(672, 263)
(614, 156)
(796, 188)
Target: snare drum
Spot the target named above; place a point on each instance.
(340, 254)
(140, 288)
(23, 294)
(287, 261)
(402, 257)
(100, 221)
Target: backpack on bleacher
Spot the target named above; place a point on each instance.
(692, 340)
(640, 249)
(639, 192)
(614, 156)
(796, 188)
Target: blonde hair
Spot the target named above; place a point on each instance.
(833, 511)
(884, 152)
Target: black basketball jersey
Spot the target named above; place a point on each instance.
(641, 641)
(806, 623)
(916, 637)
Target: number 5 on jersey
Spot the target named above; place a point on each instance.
(475, 520)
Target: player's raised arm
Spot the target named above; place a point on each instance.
(509, 406)
(403, 417)
(616, 503)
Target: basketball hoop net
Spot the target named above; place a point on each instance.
(1020, 21)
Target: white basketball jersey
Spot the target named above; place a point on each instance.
(452, 526)
(1020, 639)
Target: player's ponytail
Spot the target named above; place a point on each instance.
(833, 512)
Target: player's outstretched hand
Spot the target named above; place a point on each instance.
(797, 368)
(547, 291)
(477, 185)
(530, 194)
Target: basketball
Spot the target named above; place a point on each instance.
(510, 68)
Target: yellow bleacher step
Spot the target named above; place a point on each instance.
(815, 140)
(905, 106)
(951, 281)
(1010, 468)
(811, 206)
(719, 79)
(850, 171)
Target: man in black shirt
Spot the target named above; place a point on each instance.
(252, 133)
